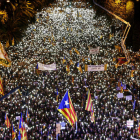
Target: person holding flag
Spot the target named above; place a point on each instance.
(13, 133)
(67, 109)
(7, 122)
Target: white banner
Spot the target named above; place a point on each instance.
(120, 95)
(129, 97)
(46, 67)
(94, 50)
(17, 117)
(95, 68)
(130, 123)
(132, 138)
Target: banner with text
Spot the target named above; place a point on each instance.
(46, 67)
(94, 50)
(95, 68)
(130, 123)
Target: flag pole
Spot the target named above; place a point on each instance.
(11, 130)
(76, 124)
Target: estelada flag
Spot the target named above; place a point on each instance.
(68, 69)
(1, 87)
(24, 133)
(13, 42)
(88, 106)
(139, 130)
(64, 60)
(132, 71)
(67, 109)
(122, 60)
(71, 62)
(76, 51)
(7, 122)
(13, 133)
(79, 68)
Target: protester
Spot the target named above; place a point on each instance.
(48, 41)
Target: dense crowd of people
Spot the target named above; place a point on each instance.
(57, 30)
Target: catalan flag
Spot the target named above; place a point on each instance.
(19, 136)
(139, 129)
(7, 122)
(88, 106)
(13, 133)
(79, 68)
(76, 51)
(68, 69)
(1, 87)
(20, 126)
(83, 59)
(71, 62)
(37, 70)
(110, 36)
(132, 75)
(7, 43)
(27, 115)
(44, 126)
(89, 60)
(121, 87)
(122, 60)
(57, 95)
(64, 60)
(67, 109)
(24, 133)
(13, 41)
(114, 59)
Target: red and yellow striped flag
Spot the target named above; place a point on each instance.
(132, 71)
(1, 87)
(88, 106)
(76, 51)
(13, 43)
(67, 109)
(7, 122)
(68, 69)
(139, 129)
(71, 62)
(72, 80)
